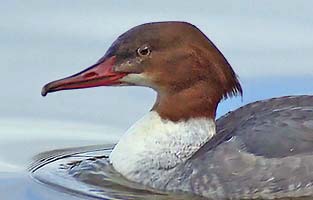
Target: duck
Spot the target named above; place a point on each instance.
(261, 150)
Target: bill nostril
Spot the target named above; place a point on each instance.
(90, 74)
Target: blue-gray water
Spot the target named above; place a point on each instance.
(268, 43)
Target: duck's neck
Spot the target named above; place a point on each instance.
(155, 145)
(184, 103)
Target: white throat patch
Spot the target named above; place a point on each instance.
(153, 145)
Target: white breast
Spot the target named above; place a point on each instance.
(153, 145)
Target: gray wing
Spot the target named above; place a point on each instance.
(271, 128)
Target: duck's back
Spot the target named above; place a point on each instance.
(264, 149)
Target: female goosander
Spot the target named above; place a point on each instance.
(262, 150)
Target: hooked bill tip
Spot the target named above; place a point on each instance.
(44, 91)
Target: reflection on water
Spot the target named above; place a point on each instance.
(87, 172)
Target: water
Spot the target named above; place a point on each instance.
(20, 186)
(23, 140)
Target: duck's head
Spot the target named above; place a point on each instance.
(174, 58)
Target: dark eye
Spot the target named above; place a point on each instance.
(143, 51)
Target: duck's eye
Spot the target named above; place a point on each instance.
(143, 51)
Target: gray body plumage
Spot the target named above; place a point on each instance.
(262, 150)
